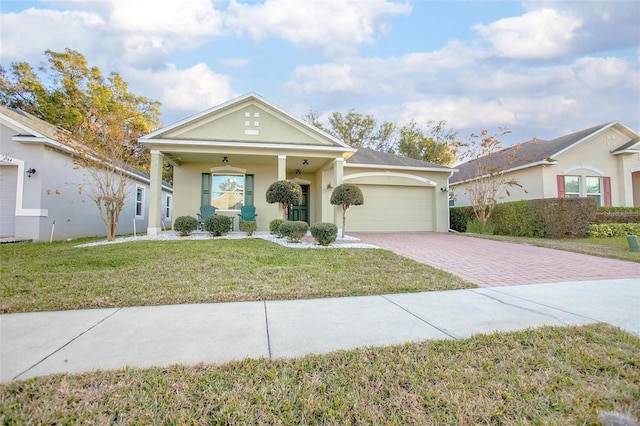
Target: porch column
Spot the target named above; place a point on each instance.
(155, 193)
(282, 167)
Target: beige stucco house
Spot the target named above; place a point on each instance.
(228, 156)
(43, 194)
(602, 162)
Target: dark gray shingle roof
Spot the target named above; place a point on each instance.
(378, 158)
(530, 152)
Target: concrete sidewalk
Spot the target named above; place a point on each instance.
(35, 344)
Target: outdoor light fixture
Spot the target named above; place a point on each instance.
(225, 160)
(298, 171)
(443, 189)
(30, 172)
(305, 163)
(329, 186)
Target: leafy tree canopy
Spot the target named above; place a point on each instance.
(359, 130)
(80, 99)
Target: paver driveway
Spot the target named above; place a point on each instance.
(495, 263)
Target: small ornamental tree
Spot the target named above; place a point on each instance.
(489, 160)
(346, 195)
(286, 193)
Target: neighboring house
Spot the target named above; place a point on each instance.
(41, 186)
(602, 162)
(228, 156)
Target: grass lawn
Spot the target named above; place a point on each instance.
(615, 247)
(543, 376)
(59, 276)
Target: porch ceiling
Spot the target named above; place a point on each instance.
(294, 162)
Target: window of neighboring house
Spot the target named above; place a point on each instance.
(228, 191)
(139, 202)
(167, 207)
(572, 186)
(594, 188)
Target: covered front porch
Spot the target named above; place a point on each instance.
(229, 155)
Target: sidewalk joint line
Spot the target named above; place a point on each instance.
(419, 318)
(68, 343)
(266, 322)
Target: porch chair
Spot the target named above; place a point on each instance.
(205, 212)
(247, 214)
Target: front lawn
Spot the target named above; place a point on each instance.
(543, 376)
(59, 276)
(614, 247)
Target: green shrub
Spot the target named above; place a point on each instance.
(613, 230)
(294, 230)
(274, 227)
(514, 218)
(185, 225)
(459, 216)
(248, 226)
(217, 224)
(324, 233)
(563, 217)
(346, 195)
(474, 226)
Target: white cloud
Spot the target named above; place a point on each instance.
(539, 34)
(192, 89)
(599, 73)
(334, 26)
(48, 29)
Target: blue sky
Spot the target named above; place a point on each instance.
(540, 68)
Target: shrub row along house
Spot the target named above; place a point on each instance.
(228, 156)
(601, 162)
(43, 193)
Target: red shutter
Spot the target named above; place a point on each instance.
(560, 180)
(606, 186)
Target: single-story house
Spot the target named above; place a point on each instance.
(43, 192)
(227, 156)
(602, 162)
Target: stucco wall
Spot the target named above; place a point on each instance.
(59, 189)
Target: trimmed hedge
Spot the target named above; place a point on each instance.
(459, 217)
(185, 225)
(324, 233)
(613, 230)
(217, 224)
(514, 218)
(618, 215)
(563, 217)
(294, 230)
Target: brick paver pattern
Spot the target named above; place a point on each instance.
(495, 263)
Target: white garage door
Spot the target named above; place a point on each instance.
(8, 182)
(392, 209)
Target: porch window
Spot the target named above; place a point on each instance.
(572, 186)
(594, 188)
(228, 192)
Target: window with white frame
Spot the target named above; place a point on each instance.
(139, 202)
(167, 207)
(228, 191)
(594, 188)
(572, 186)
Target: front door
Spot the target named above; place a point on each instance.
(301, 212)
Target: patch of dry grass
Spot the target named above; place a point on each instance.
(543, 376)
(58, 276)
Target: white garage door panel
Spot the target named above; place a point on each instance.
(392, 209)
(8, 182)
